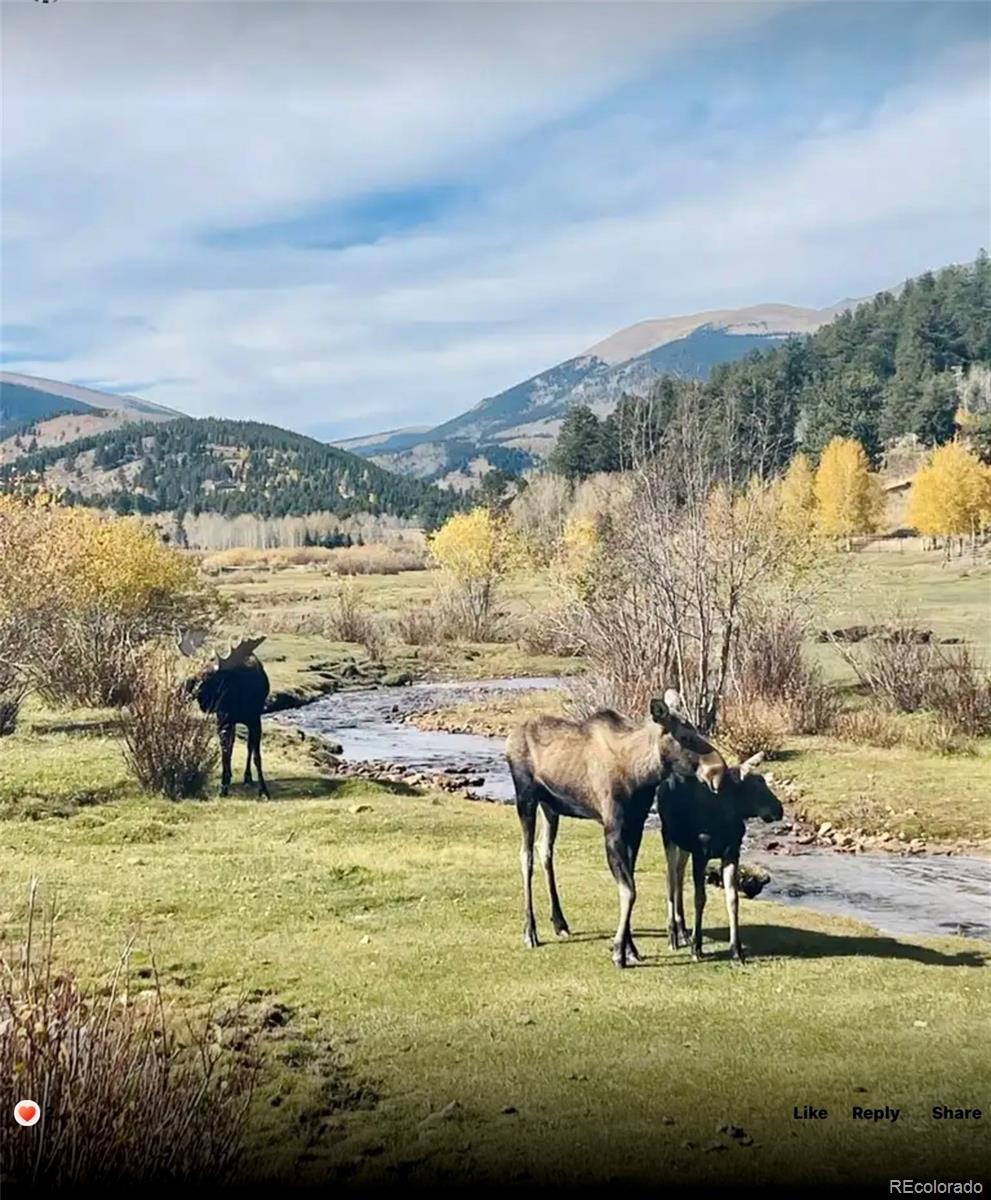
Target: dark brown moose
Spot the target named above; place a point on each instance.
(234, 687)
(606, 768)
(698, 825)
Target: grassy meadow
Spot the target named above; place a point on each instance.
(423, 1038)
(418, 1037)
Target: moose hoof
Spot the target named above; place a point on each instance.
(562, 931)
(619, 959)
(530, 940)
(737, 957)
(633, 955)
(697, 954)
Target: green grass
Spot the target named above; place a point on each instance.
(881, 583)
(394, 936)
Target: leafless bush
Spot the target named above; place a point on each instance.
(752, 725)
(350, 618)
(961, 693)
(338, 560)
(550, 631)
(769, 664)
(869, 727)
(897, 670)
(460, 619)
(886, 729)
(168, 744)
(12, 692)
(416, 626)
(910, 676)
(128, 1096)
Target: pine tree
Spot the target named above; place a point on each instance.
(848, 497)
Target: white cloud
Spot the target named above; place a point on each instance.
(128, 133)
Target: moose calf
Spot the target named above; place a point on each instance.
(699, 824)
(607, 769)
(234, 687)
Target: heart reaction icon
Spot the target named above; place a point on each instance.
(26, 1112)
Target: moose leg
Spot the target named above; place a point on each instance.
(683, 857)
(255, 739)
(548, 837)
(526, 810)
(731, 891)
(698, 878)
(634, 837)
(618, 857)
(251, 748)
(676, 860)
(226, 734)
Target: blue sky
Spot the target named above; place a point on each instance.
(349, 217)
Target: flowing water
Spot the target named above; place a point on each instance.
(921, 894)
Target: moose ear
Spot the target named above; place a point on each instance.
(659, 712)
(672, 698)
(751, 764)
(190, 641)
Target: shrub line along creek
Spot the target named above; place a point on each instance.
(897, 894)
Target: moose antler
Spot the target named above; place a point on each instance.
(190, 641)
(238, 654)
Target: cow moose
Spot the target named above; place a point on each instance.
(699, 824)
(606, 768)
(234, 687)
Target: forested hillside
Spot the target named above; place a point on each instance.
(227, 467)
(894, 366)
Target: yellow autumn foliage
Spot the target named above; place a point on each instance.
(951, 494)
(79, 590)
(797, 496)
(476, 546)
(849, 499)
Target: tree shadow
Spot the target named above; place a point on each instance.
(784, 941)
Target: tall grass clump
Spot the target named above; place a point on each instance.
(130, 1094)
(168, 744)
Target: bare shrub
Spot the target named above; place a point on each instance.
(681, 566)
(961, 693)
(751, 725)
(337, 560)
(168, 744)
(886, 729)
(350, 618)
(869, 727)
(416, 626)
(130, 1094)
(549, 631)
(769, 664)
(896, 669)
(910, 675)
(12, 691)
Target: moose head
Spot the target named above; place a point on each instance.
(709, 764)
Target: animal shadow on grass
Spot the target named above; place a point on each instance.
(783, 941)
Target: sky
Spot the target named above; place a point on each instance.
(343, 218)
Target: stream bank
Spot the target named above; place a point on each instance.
(820, 868)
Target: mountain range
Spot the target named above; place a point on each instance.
(521, 423)
(36, 412)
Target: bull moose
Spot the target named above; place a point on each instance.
(234, 687)
(606, 768)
